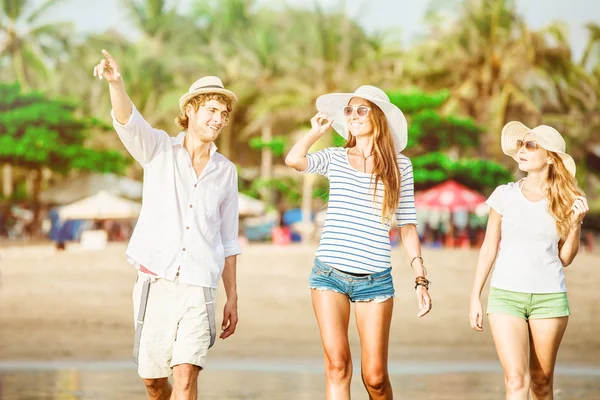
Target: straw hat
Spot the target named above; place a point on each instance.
(333, 105)
(546, 136)
(207, 84)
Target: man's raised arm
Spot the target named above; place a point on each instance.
(108, 69)
(140, 139)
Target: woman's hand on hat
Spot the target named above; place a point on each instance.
(320, 123)
(580, 208)
(108, 69)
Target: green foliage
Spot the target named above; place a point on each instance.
(287, 188)
(276, 145)
(431, 169)
(482, 175)
(20, 193)
(431, 132)
(338, 140)
(415, 101)
(321, 191)
(40, 132)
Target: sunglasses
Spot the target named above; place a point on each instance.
(361, 111)
(529, 145)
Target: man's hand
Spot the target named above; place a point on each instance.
(108, 69)
(230, 319)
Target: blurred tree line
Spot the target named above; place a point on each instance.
(478, 66)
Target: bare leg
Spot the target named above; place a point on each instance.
(373, 321)
(158, 389)
(511, 337)
(545, 337)
(185, 382)
(333, 315)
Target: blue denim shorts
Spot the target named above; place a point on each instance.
(378, 286)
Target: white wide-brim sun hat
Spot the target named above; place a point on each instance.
(207, 84)
(333, 105)
(546, 136)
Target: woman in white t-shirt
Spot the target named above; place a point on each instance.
(370, 183)
(532, 234)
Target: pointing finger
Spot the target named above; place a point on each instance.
(108, 56)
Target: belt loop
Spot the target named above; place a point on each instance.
(329, 271)
(370, 278)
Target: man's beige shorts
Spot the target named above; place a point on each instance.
(176, 328)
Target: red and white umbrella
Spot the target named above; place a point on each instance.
(449, 195)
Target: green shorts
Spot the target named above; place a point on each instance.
(528, 305)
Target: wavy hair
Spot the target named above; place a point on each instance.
(562, 192)
(385, 167)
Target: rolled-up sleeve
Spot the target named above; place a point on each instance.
(318, 162)
(139, 138)
(230, 217)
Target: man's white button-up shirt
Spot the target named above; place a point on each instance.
(187, 223)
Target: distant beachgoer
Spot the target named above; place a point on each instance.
(371, 182)
(186, 236)
(532, 234)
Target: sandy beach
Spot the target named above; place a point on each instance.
(75, 306)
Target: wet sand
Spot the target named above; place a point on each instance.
(228, 384)
(75, 306)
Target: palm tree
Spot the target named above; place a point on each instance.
(27, 48)
(495, 66)
(593, 41)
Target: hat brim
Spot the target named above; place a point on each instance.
(190, 95)
(333, 105)
(515, 130)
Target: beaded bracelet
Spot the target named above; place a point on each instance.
(422, 281)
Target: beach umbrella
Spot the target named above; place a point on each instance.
(450, 196)
(102, 205)
(250, 206)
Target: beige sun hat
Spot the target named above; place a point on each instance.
(333, 105)
(207, 84)
(546, 136)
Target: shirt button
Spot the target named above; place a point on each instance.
(187, 227)
(196, 185)
(184, 249)
(191, 206)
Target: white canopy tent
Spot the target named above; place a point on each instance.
(250, 206)
(102, 205)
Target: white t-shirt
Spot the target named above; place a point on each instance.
(528, 259)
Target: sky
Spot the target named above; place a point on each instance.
(405, 15)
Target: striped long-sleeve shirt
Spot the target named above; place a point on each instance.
(354, 238)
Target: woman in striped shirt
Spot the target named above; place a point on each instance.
(371, 182)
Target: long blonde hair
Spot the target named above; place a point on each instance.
(562, 192)
(385, 167)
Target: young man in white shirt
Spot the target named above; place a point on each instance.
(186, 234)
